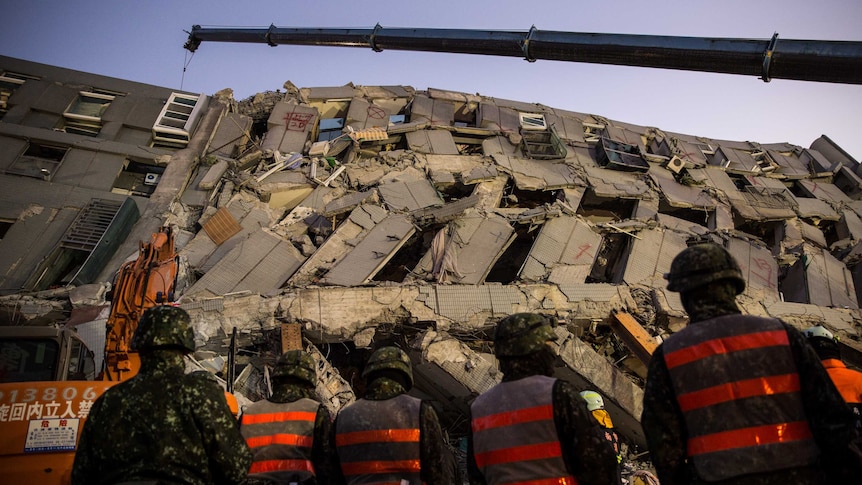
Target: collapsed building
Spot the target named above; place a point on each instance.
(338, 219)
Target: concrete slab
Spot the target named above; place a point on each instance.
(564, 252)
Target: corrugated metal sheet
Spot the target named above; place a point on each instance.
(221, 226)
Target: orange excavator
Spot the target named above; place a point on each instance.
(48, 376)
(142, 283)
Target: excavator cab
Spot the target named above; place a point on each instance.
(47, 385)
(38, 354)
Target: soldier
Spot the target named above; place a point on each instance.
(848, 381)
(739, 399)
(388, 436)
(532, 428)
(289, 433)
(162, 425)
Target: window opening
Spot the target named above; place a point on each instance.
(608, 266)
(464, 116)
(620, 156)
(538, 140)
(509, 265)
(137, 179)
(602, 209)
(398, 119)
(408, 256)
(330, 128)
(455, 191)
(696, 216)
(84, 114)
(82, 365)
(765, 231)
(39, 161)
(527, 199)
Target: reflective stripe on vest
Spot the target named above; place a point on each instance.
(280, 436)
(378, 441)
(514, 436)
(736, 383)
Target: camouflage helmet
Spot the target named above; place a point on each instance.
(522, 334)
(296, 363)
(389, 358)
(164, 327)
(701, 264)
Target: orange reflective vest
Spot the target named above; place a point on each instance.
(849, 384)
(378, 441)
(736, 383)
(280, 436)
(515, 439)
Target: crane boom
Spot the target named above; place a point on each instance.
(804, 60)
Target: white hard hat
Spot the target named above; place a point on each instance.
(594, 400)
(818, 331)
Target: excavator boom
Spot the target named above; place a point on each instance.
(143, 283)
(803, 60)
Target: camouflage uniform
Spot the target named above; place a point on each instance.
(162, 425)
(585, 451)
(437, 464)
(291, 383)
(708, 281)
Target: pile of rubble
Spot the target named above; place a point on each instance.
(370, 215)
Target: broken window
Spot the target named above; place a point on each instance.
(83, 116)
(330, 128)
(592, 131)
(598, 209)
(697, 216)
(611, 258)
(539, 140)
(175, 123)
(757, 161)
(137, 178)
(620, 156)
(464, 116)
(38, 161)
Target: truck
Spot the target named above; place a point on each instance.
(48, 375)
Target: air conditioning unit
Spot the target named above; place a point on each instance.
(675, 165)
(151, 179)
